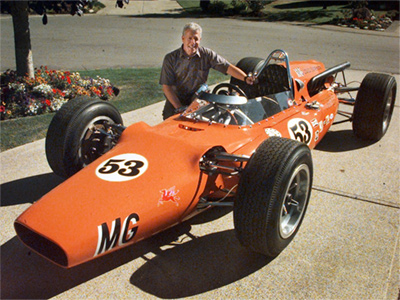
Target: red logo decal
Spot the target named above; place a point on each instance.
(169, 195)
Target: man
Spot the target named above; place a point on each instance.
(186, 69)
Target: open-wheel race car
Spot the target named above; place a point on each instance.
(239, 145)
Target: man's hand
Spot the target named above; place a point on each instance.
(250, 79)
(180, 110)
(241, 75)
(171, 96)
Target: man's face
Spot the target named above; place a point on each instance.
(191, 41)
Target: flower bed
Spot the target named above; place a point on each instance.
(363, 18)
(47, 91)
(379, 24)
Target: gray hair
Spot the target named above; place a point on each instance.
(193, 27)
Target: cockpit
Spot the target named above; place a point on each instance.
(237, 103)
(240, 111)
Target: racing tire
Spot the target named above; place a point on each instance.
(68, 129)
(374, 106)
(273, 194)
(248, 64)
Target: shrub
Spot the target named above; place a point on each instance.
(238, 6)
(217, 7)
(256, 5)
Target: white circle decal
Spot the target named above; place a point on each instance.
(122, 167)
(272, 132)
(300, 130)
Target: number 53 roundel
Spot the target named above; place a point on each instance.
(122, 167)
(300, 130)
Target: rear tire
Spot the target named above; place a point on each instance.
(374, 106)
(68, 130)
(273, 194)
(248, 65)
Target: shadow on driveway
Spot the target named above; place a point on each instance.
(341, 141)
(28, 190)
(195, 267)
(183, 264)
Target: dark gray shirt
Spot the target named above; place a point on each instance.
(187, 74)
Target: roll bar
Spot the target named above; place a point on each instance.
(317, 82)
(279, 56)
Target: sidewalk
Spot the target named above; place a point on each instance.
(140, 7)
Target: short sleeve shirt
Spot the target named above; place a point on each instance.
(187, 74)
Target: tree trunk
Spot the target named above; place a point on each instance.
(22, 38)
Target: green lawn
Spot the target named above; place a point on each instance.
(138, 88)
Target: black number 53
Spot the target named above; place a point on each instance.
(301, 132)
(122, 166)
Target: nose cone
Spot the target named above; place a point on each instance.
(117, 200)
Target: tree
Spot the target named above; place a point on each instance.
(19, 11)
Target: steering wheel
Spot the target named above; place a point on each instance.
(229, 112)
(230, 87)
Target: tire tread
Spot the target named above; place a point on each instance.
(251, 215)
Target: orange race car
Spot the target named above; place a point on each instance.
(239, 145)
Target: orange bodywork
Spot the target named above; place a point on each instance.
(158, 183)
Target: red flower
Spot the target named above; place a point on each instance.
(68, 80)
(109, 90)
(2, 109)
(48, 102)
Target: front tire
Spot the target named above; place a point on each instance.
(374, 106)
(273, 195)
(72, 134)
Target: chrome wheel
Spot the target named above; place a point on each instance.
(387, 115)
(295, 201)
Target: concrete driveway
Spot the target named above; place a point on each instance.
(347, 247)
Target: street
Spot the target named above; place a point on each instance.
(97, 42)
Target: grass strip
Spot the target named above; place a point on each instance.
(138, 88)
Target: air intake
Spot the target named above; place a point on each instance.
(41, 245)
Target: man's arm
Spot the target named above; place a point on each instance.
(171, 95)
(239, 74)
